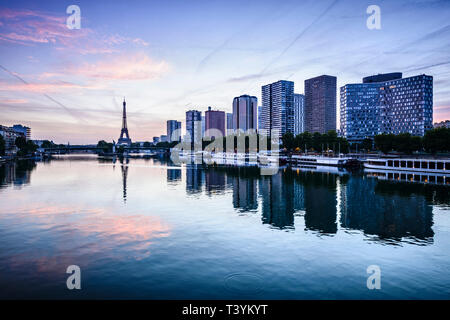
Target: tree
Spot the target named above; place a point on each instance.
(384, 142)
(105, 146)
(2, 146)
(416, 143)
(147, 144)
(21, 143)
(25, 147)
(436, 140)
(367, 144)
(288, 140)
(47, 144)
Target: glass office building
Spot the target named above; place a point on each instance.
(278, 107)
(392, 105)
(299, 113)
(245, 113)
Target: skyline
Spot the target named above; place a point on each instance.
(170, 58)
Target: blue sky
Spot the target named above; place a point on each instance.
(170, 56)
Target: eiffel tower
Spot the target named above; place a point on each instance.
(124, 140)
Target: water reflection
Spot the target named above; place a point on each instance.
(325, 202)
(328, 201)
(16, 173)
(173, 176)
(194, 179)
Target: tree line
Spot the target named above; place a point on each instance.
(434, 141)
(25, 147)
(315, 142)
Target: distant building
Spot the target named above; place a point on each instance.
(260, 124)
(10, 136)
(172, 133)
(25, 131)
(229, 123)
(215, 119)
(163, 138)
(278, 107)
(155, 140)
(203, 126)
(442, 124)
(393, 105)
(245, 113)
(320, 104)
(194, 125)
(299, 113)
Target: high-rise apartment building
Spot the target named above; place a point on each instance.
(194, 125)
(229, 123)
(245, 113)
(260, 124)
(173, 130)
(215, 119)
(278, 107)
(299, 113)
(25, 131)
(387, 103)
(320, 104)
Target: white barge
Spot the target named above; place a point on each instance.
(321, 161)
(411, 165)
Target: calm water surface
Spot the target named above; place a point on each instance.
(149, 229)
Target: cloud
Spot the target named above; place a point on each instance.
(13, 101)
(137, 66)
(56, 86)
(27, 27)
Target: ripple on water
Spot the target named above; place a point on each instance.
(244, 283)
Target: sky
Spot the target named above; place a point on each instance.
(167, 57)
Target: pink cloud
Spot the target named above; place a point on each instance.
(56, 86)
(124, 67)
(31, 27)
(13, 101)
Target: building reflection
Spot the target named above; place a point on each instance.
(277, 193)
(387, 210)
(194, 179)
(320, 201)
(215, 181)
(124, 169)
(173, 176)
(245, 194)
(16, 173)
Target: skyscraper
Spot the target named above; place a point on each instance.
(245, 113)
(194, 125)
(215, 119)
(229, 123)
(320, 104)
(387, 103)
(299, 113)
(172, 134)
(203, 126)
(278, 107)
(260, 124)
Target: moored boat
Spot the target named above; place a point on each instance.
(409, 164)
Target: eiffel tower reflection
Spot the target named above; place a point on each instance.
(124, 168)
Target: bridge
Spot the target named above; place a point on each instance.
(92, 148)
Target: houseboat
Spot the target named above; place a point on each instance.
(322, 161)
(411, 165)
